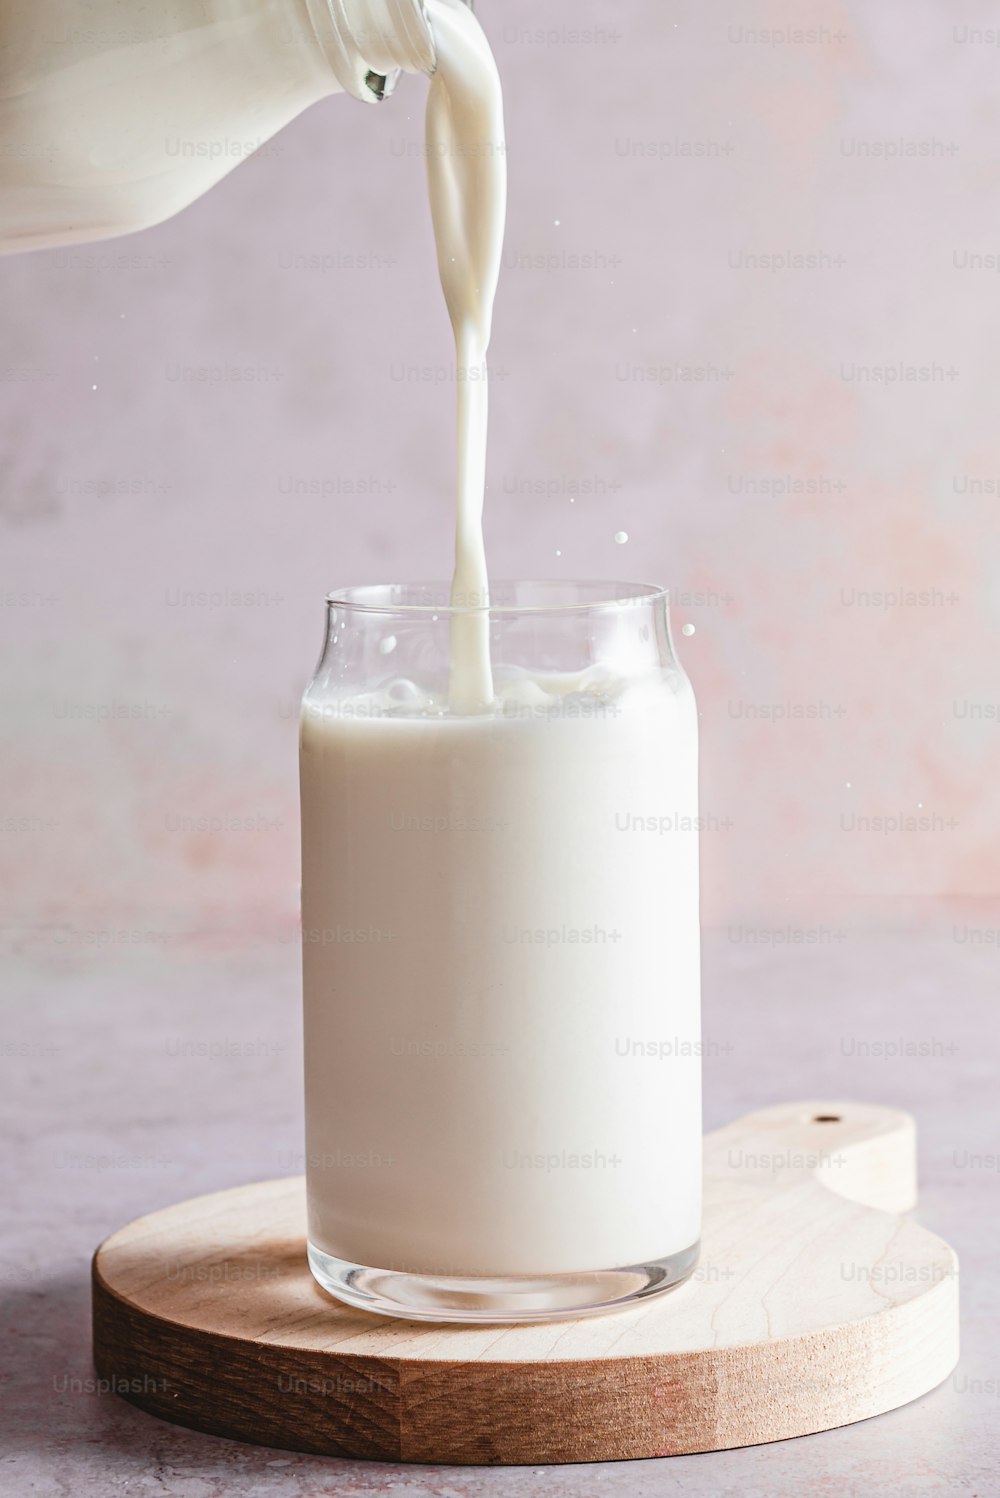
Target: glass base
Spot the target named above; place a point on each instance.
(498, 1298)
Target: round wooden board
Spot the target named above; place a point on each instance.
(815, 1303)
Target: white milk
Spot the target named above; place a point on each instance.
(500, 891)
(467, 177)
(501, 978)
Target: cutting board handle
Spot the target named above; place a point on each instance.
(863, 1152)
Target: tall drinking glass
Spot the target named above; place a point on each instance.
(501, 956)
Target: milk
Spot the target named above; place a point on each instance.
(467, 181)
(500, 889)
(501, 976)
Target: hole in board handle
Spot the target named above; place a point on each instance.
(826, 1118)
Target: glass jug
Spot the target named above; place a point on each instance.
(115, 114)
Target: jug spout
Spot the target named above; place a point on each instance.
(380, 85)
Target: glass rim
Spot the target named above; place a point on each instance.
(376, 598)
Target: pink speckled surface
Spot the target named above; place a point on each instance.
(169, 531)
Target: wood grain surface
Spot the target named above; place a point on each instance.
(815, 1303)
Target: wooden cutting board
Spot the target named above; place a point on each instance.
(815, 1303)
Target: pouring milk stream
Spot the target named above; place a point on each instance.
(467, 172)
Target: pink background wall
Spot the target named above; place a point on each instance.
(674, 387)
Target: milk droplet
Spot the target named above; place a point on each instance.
(404, 691)
(687, 629)
(387, 644)
(621, 537)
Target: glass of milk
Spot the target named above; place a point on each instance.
(501, 954)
